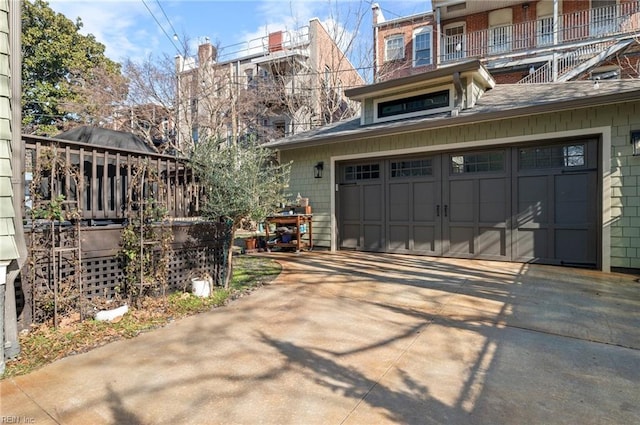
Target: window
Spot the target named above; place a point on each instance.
(327, 77)
(500, 30)
(477, 163)
(414, 106)
(422, 46)
(195, 134)
(411, 168)
(249, 74)
(564, 156)
(362, 172)
(394, 48)
(280, 128)
(500, 39)
(454, 43)
(603, 17)
(545, 31)
(606, 73)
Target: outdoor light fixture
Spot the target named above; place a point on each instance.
(635, 142)
(318, 169)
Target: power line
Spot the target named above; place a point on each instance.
(161, 27)
(175, 33)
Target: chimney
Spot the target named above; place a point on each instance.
(206, 53)
(179, 60)
(378, 17)
(275, 41)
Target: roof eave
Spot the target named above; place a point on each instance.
(369, 90)
(580, 103)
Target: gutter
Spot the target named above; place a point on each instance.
(580, 103)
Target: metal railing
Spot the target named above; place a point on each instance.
(290, 40)
(623, 18)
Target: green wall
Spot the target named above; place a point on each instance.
(8, 249)
(620, 119)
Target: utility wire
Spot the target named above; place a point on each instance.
(161, 27)
(175, 33)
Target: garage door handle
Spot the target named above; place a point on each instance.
(446, 208)
(437, 210)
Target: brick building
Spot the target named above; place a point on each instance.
(518, 41)
(277, 85)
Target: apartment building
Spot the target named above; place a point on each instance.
(281, 84)
(517, 41)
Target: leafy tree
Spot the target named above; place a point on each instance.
(243, 182)
(66, 76)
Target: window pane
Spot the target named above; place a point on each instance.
(422, 46)
(412, 104)
(552, 157)
(477, 163)
(394, 48)
(362, 172)
(413, 168)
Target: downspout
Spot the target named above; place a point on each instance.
(554, 64)
(438, 37)
(375, 53)
(11, 344)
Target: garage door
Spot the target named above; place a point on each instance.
(527, 204)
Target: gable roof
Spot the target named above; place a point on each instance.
(501, 102)
(106, 137)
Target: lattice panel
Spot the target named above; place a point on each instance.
(102, 276)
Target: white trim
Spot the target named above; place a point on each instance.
(419, 31)
(604, 132)
(417, 113)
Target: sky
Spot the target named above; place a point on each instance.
(134, 29)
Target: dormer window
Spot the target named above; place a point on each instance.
(424, 103)
(394, 48)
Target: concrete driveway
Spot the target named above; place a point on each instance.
(356, 338)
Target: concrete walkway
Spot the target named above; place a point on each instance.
(353, 338)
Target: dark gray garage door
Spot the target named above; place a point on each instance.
(527, 204)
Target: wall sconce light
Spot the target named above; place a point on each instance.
(635, 142)
(318, 169)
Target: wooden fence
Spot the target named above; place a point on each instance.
(105, 173)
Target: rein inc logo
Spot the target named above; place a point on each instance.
(17, 420)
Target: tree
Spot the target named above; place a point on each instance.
(150, 110)
(242, 182)
(66, 76)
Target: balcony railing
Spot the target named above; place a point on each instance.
(290, 40)
(574, 27)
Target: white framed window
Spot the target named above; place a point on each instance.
(454, 43)
(422, 46)
(500, 30)
(415, 104)
(394, 47)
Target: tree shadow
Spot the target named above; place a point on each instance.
(120, 413)
(414, 405)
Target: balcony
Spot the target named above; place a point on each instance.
(283, 42)
(593, 25)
